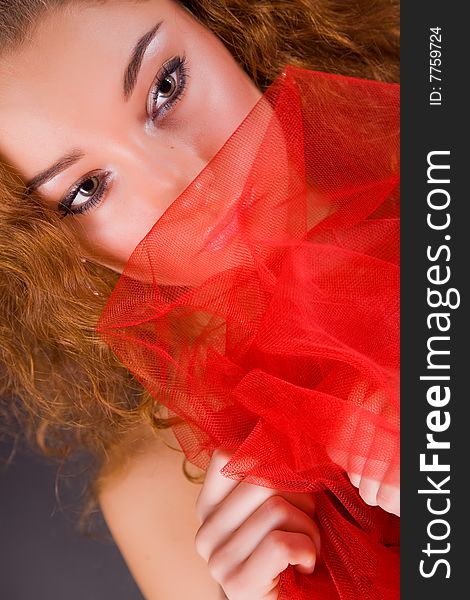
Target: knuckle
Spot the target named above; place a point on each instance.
(277, 507)
(232, 584)
(217, 565)
(201, 542)
(276, 542)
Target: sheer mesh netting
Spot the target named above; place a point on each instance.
(263, 309)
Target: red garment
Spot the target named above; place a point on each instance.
(279, 339)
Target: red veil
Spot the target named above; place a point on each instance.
(263, 309)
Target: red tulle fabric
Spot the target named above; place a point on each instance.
(263, 309)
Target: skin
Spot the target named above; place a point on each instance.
(62, 91)
(380, 490)
(249, 534)
(156, 539)
(73, 69)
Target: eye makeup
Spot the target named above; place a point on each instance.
(99, 187)
(169, 86)
(167, 89)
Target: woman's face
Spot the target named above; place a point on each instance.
(112, 110)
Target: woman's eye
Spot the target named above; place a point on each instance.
(169, 87)
(164, 93)
(87, 189)
(85, 196)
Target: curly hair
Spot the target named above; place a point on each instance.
(59, 384)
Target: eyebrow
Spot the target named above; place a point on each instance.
(131, 74)
(60, 165)
(132, 70)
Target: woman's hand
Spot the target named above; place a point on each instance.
(384, 489)
(250, 534)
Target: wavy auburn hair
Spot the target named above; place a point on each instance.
(59, 383)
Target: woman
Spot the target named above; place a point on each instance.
(102, 162)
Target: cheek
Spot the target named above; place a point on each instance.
(219, 97)
(111, 241)
(217, 112)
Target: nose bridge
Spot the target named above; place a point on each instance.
(151, 162)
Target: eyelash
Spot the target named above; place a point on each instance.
(176, 65)
(65, 205)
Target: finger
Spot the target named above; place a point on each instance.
(377, 492)
(368, 489)
(274, 514)
(378, 444)
(271, 557)
(342, 447)
(216, 486)
(386, 469)
(373, 469)
(388, 497)
(374, 492)
(237, 507)
(369, 474)
(365, 429)
(229, 515)
(380, 452)
(355, 479)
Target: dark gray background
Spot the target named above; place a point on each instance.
(42, 556)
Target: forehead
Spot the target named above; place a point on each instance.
(80, 34)
(70, 69)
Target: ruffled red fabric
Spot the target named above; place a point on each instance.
(263, 309)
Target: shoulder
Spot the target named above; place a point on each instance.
(149, 507)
